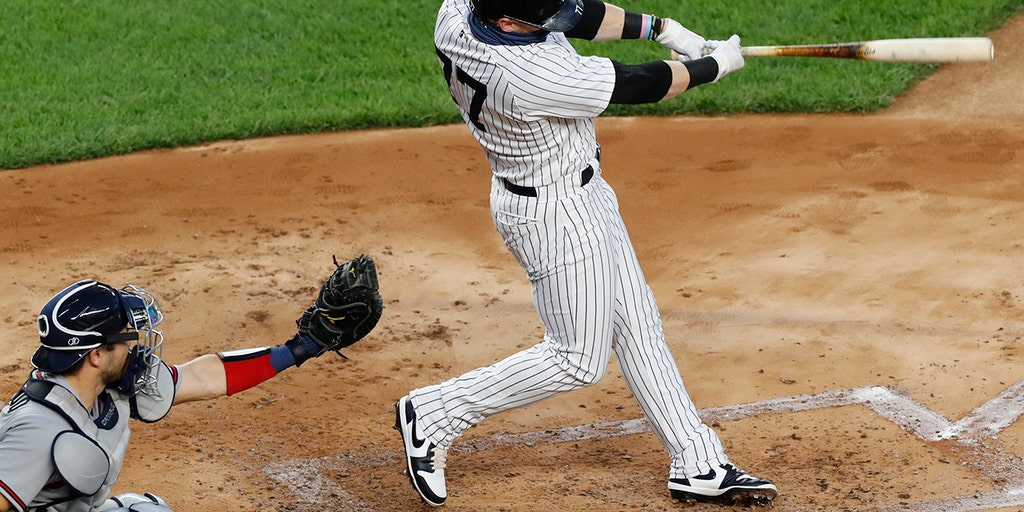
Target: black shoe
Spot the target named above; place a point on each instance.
(424, 460)
(725, 483)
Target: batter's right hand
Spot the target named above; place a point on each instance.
(726, 54)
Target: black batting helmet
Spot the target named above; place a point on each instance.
(550, 15)
(84, 316)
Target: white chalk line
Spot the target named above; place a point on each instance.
(305, 477)
(981, 501)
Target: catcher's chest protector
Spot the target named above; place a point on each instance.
(88, 456)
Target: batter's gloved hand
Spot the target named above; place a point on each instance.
(726, 54)
(347, 309)
(683, 41)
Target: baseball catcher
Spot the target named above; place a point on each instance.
(101, 346)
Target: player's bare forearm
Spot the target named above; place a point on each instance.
(603, 21)
(611, 25)
(202, 378)
(4, 504)
(680, 79)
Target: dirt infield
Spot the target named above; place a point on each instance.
(844, 296)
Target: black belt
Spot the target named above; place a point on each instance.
(585, 178)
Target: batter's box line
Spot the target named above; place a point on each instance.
(305, 477)
(981, 501)
(986, 421)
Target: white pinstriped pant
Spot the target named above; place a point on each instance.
(592, 297)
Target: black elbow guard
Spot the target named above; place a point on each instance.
(641, 83)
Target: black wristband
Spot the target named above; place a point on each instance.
(702, 71)
(640, 26)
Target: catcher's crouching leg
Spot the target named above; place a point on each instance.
(132, 502)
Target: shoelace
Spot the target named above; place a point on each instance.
(440, 457)
(740, 474)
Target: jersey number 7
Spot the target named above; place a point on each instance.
(479, 89)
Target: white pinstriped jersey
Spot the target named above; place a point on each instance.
(531, 107)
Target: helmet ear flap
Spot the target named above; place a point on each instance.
(488, 10)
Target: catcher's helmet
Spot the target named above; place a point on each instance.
(550, 15)
(88, 314)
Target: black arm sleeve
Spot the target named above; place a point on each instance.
(593, 16)
(641, 83)
(702, 71)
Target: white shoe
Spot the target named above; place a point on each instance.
(724, 483)
(424, 460)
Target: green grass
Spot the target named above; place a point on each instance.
(85, 78)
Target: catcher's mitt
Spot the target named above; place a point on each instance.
(347, 308)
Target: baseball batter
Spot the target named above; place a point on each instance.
(530, 100)
(64, 434)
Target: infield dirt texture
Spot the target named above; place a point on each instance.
(844, 295)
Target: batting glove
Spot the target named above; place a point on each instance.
(686, 43)
(726, 54)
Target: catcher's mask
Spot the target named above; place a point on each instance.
(550, 15)
(89, 314)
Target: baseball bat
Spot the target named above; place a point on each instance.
(936, 49)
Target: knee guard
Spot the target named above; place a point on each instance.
(132, 502)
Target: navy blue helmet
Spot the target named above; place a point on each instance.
(89, 314)
(550, 15)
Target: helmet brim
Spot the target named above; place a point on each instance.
(57, 361)
(566, 18)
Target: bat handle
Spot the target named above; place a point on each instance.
(704, 52)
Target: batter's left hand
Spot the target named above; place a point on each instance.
(685, 42)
